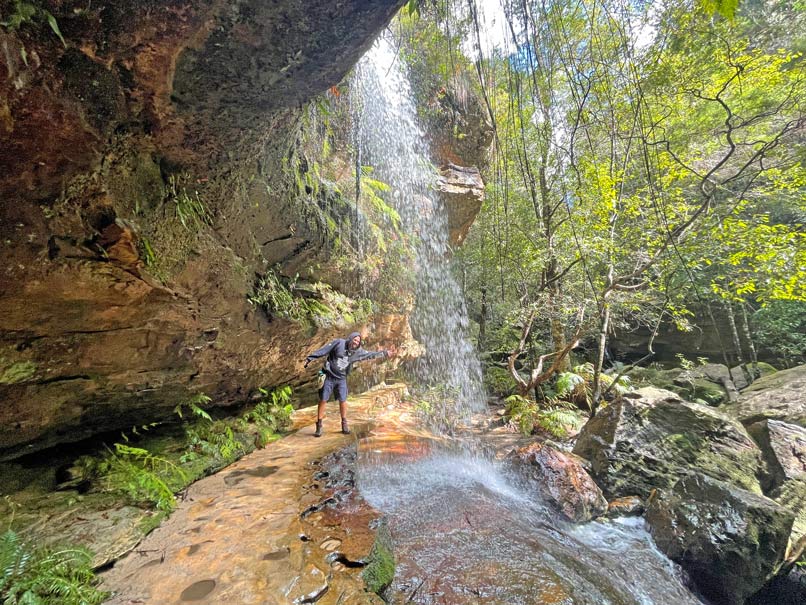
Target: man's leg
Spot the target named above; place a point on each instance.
(324, 395)
(343, 411)
(341, 393)
(320, 414)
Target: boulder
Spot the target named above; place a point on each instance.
(650, 437)
(629, 506)
(730, 541)
(562, 480)
(783, 447)
(462, 191)
(710, 382)
(740, 374)
(779, 396)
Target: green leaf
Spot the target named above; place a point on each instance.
(54, 26)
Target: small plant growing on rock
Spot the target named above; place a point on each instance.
(143, 476)
(193, 405)
(189, 208)
(273, 411)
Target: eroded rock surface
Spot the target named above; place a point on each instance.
(263, 530)
(784, 449)
(651, 437)
(729, 540)
(462, 191)
(152, 168)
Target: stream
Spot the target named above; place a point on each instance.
(468, 530)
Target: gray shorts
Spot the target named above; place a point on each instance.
(333, 386)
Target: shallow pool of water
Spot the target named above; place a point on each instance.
(466, 530)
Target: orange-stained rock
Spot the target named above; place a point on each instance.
(625, 507)
(266, 529)
(462, 192)
(113, 309)
(562, 480)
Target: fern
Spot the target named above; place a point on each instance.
(142, 476)
(273, 411)
(557, 420)
(194, 406)
(46, 577)
(528, 416)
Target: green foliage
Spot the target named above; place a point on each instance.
(576, 386)
(227, 440)
(528, 416)
(16, 372)
(143, 476)
(726, 8)
(25, 13)
(374, 190)
(137, 473)
(685, 363)
(194, 407)
(780, 329)
(274, 410)
(188, 207)
(498, 381)
(147, 252)
(275, 298)
(433, 404)
(46, 576)
(214, 439)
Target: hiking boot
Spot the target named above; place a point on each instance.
(318, 432)
(344, 428)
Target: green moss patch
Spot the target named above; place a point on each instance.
(380, 569)
(16, 372)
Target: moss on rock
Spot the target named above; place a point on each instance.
(16, 372)
(380, 569)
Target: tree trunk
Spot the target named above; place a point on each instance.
(483, 319)
(722, 346)
(737, 344)
(600, 355)
(748, 336)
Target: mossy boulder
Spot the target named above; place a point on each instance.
(651, 437)
(741, 374)
(380, 563)
(779, 396)
(730, 541)
(711, 393)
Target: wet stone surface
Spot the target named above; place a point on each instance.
(264, 530)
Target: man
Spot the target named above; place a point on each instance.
(342, 353)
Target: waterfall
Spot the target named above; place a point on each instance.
(390, 140)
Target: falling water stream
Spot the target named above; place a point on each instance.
(465, 529)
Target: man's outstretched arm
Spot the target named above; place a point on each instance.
(363, 355)
(320, 352)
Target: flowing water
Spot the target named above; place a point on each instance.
(464, 529)
(391, 142)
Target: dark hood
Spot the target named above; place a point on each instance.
(353, 335)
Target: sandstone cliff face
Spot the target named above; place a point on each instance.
(150, 168)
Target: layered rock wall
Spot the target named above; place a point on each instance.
(150, 168)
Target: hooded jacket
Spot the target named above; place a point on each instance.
(340, 358)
